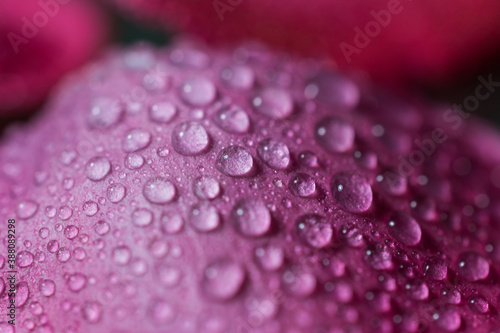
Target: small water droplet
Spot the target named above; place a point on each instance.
(333, 90)
(43, 233)
(71, 232)
(169, 276)
(142, 217)
(435, 269)
(378, 256)
(299, 283)
(24, 259)
(274, 103)
(63, 254)
(190, 138)
(134, 161)
(314, 230)
(92, 312)
(136, 139)
(235, 161)
(302, 185)
(270, 257)
(90, 208)
(223, 279)
(197, 91)
(162, 312)
(232, 119)
(159, 190)
(76, 282)
(274, 153)
(451, 296)
(334, 134)
(115, 193)
(206, 188)
(238, 77)
(472, 266)
(22, 294)
(308, 159)
(162, 112)
(101, 228)
(251, 217)
(121, 255)
(65, 213)
(352, 192)
(104, 112)
(448, 320)
(26, 209)
(404, 228)
(478, 304)
(171, 223)
(97, 168)
(53, 246)
(204, 217)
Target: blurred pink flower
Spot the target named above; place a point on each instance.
(396, 41)
(195, 190)
(40, 41)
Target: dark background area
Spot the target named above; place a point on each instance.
(128, 32)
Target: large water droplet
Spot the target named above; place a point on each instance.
(472, 266)
(334, 134)
(314, 230)
(334, 90)
(22, 294)
(63, 254)
(65, 213)
(162, 112)
(142, 217)
(251, 217)
(435, 269)
(92, 312)
(238, 77)
(134, 161)
(197, 91)
(270, 257)
(53, 246)
(97, 168)
(76, 282)
(352, 192)
(104, 112)
(206, 188)
(478, 304)
(190, 138)
(232, 119)
(136, 139)
(274, 103)
(302, 185)
(116, 192)
(274, 153)
(24, 259)
(391, 182)
(27, 209)
(451, 296)
(159, 190)
(121, 255)
(448, 320)
(90, 208)
(223, 279)
(404, 228)
(235, 161)
(204, 217)
(378, 256)
(47, 287)
(71, 231)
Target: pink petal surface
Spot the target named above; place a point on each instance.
(41, 41)
(195, 190)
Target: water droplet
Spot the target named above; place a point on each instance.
(448, 320)
(190, 138)
(204, 217)
(333, 90)
(136, 139)
(352, 236)
(206, 188)
(451, 296)
(92, 312)
(6, 328)
(142, 217)
(251, 217)
(79, 253)
(308, 159)
(162, 112)
(238, 77)
(404, 228)
(139, 267)
(121, 255)
(134, 161)
(50, 211)
(162, 312)
(334, 134)
(299, 283)
(197, 91)
(223, 279)
(168, 276)
(391, 182)
(378, 256)
(63, 254)
(71, 232)
(116, 193)
(478, 304)
(26, 209)
(24, 259)
(232, 119)
(435, 269)
(76, 282)
(235, 161)
(36, 308)
(104, 112)
(43, 233)
(270, 257)
(417, 290)
(22, 294)
(274, 153)
(302, 185)
(171, 223)
(53, 246)
(101, 228)
(314, 230)
(352, 192)
(90, 208)
(65, 213)
(97, 168)
(472, 266)
(274, 103)
(159, 190)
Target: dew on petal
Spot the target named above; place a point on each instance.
(223, 279)
(142, 217)
(235, 161)
(26, 209)
(97, 168)
(206, 188)
(274, 153)
(198, 91)
(159, 190)
(302, 185)
(352, 192)
(334, 134)
(190, 138)
(274, 103)
(270, 257)
(251, 217)
(314, 230)
(122, 255)
(136, 139)
(404, 228)
(171, 223)
(204, 217)
(134, 161)
(162, 112)
(116, 192)
(232, 119)
(472, 266)
(104, 112)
